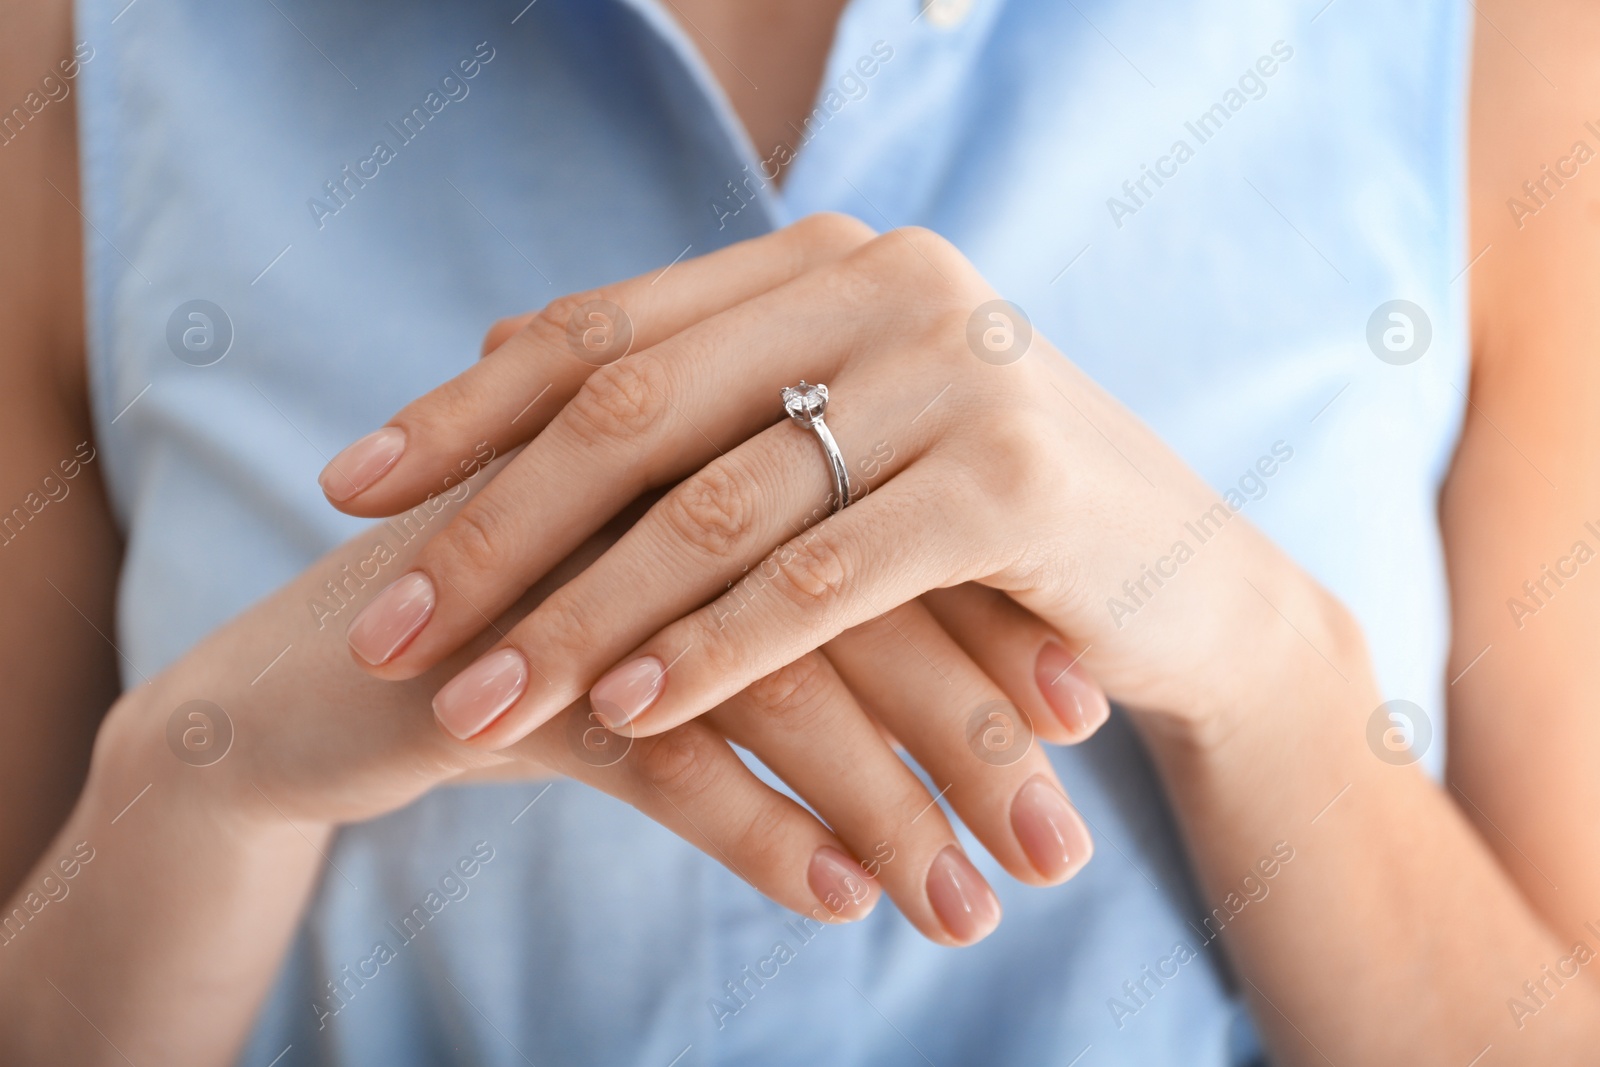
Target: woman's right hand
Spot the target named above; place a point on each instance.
(924, 671)
(313, 741)
(318, 741)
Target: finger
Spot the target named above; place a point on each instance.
(680, 556)
(508, 396)
(693, 783)
(502, 330)
(840, 573)
(1038, 669)
(802, 722)
(644, 421)
(978, 747)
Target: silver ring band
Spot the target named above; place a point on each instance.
(805, 404)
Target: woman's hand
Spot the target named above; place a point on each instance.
(927, 683)
(200, 846)
(972, 462)
(317, 742)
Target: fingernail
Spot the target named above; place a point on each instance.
(1049, 829)
(394, 617)
(625, 692)
(1078, 703)
(363, 463)
(961, 898)
(840, 883)
(478, 695)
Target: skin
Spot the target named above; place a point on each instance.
(52, 711)
(1408, 917)
(768, 57)
(318, 744)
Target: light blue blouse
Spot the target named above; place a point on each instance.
(1208, 205)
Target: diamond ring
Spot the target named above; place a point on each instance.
(805, 405)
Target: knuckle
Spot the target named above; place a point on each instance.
(976, 494)
(503, 330)
(759, 842)
(927, 243)
(919, 242)
(919, 236)
(555, 318)
(795, 696)
(564, 625)
(834, 231)
(909, 252)
(680, 763)
(624, 400)
(476, 539)
(812, 572)
(1015, 472)
(859, 283)
(710, 512)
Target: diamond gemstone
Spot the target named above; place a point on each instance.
(805, 402)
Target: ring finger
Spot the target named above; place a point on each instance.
(648, 419)
(714, 533)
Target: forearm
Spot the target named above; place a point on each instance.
(1392, 935)
(165, 941)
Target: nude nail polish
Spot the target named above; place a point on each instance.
(840, 884)
(1078, 703)
(361, 464)
(1049, 829)
(479, 695)
(395, 616)
(626, 692)
(963, 901)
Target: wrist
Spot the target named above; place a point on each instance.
(1289, 644)
(180, 912)
(155, 746)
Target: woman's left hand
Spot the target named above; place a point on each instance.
(977, 454)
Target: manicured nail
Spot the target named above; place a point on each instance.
(1078, 703)
(627, 691)
(1049, 829)
(394, 617)
(480, 694)
(363, 463)
(961, 898)
(840, 883)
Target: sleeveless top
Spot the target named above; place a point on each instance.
(1210, 205)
